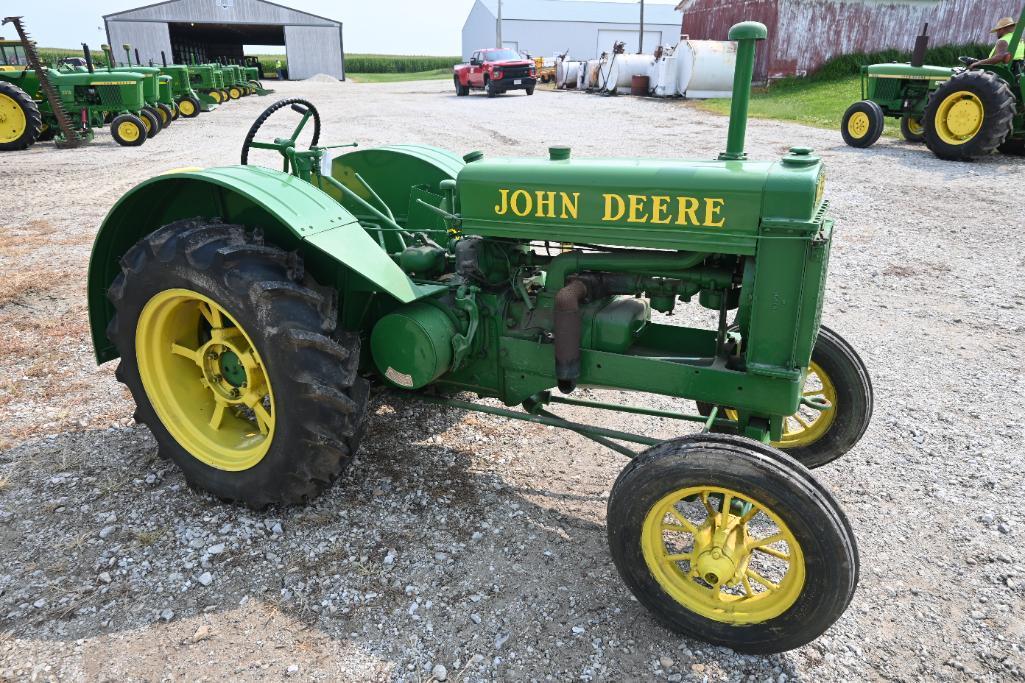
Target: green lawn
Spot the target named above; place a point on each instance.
(815, 103)
(434, 74)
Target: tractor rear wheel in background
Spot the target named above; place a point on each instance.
(128, 130)
(461, 90)
(911, 128)
(20, 121)
(229, 354)
(224, 96)
(189, 107)
(731, 541)
(836, 376)
(166, 115)
(862, 124)
(215, 95)
(151, 120)
(1015, 146)
(969, 116)
(47, 133)
(174, 110)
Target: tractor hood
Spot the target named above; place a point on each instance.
(908, 72)
(655, 204)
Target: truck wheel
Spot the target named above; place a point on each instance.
(838, 375)
(128, 130)
(911, 128)
(730, 541)
(461, 90)
(229, 355)
(20, 121)
(165, 114)
(862, 124)
(530, 91)
(969, 116)
(490, 88)
(151, 121)
(189, 107)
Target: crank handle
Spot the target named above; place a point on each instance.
(816, 403)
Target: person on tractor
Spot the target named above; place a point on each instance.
(1001, 53)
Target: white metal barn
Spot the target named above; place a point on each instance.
(218, 30)
(545, 28)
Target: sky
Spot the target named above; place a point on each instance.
(431, 27)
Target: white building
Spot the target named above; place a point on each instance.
(545, 28)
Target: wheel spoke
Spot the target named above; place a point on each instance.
(184, 352)
(263, 418)
(813, 392)
(708, 506)
(747, 585)
(761, 579)
(749, 515)
(768, 540)
(218, 416)
(772, 551)
(804, 423)
(212, 315)
(678, 557)
(684, 522)
(727, 501)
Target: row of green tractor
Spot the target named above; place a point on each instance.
(67, 102)
(961, 113)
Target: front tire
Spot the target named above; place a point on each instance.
(530, 91)
(490, 88)
(165, 113)
(234, 93)
(911, 128)
(461, 90)
(128, 130)
(228, 352)
(189, 107)
(151, 121)
(969, 116)
(862, 124)
(730, 541)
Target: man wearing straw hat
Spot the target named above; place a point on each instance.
(1001, 53)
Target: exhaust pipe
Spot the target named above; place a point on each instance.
(921, 45)
(163, 58)
(88, 58)
(128, 53)
(746, 34)
(137, 60)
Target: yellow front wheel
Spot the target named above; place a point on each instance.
(727, 540)
(128, 130)
(227, 359)
(234, 93)
(862, 124)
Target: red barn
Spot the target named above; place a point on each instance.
(805, 33)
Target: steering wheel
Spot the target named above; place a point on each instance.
(300, 106)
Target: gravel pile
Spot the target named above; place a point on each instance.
(463, 547)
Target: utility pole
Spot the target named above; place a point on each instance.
(640, 41)
(498, 26)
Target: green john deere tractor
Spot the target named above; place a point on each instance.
(42, 104)
(205, 82)
(960, 113)
(254, 74)
(186, 100)
(253, 309)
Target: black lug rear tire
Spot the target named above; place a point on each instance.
(320, 402)
(165, 113)
(911, 128)
(998, 110)
(28, 134)
(862, 124)
(776, 481)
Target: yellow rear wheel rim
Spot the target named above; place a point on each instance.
(186, 108)
(128, 131)
(858, 124)
(205, 380)
(723, 555)
(915, 126)
(807, 425)
(12, 119)
(959, 117)
(217, 96)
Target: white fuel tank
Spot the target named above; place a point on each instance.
(567, 74)
(705, 68)
(622, 69)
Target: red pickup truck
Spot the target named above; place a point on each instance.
(495, 71)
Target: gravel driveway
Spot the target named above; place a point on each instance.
(465, 547)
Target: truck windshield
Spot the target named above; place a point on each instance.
(501, 55)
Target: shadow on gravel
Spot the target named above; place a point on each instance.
(421, 553)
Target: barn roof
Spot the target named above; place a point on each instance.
(250, 11)
(576, 10)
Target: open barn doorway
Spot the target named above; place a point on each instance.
(193, 43)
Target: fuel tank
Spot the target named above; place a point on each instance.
(656, 204)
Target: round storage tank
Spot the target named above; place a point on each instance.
(412, 346)
(705, 68)
(567, 74)
(623, 68)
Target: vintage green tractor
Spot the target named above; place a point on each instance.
(254, 76)
(204, 80)
(253, 309)
(235, 81)
(960, 113)
(186, 100)
(85, 98)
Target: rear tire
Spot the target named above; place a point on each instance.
(22, 122)
(461, 90)
(317, 402)
(814, 584)
(128, 130)
(911, 128)
(862, 124)
(530, 91)
(969, 116)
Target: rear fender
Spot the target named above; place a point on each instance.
(293, 215)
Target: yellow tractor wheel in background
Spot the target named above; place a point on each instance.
(20, 121)
(911, 128)
(216, 95)
(969, 116)
(862, 124)
(234, 93)
(128, 130)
